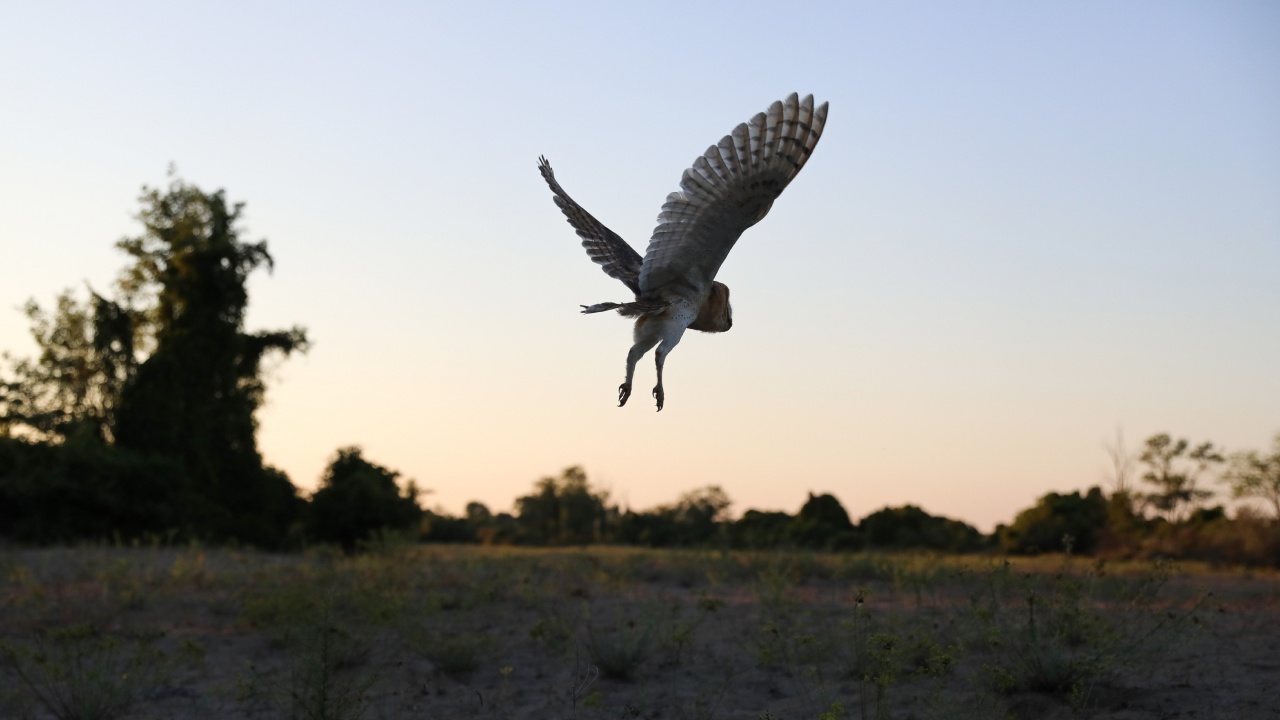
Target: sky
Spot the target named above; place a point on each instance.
(1026, 226)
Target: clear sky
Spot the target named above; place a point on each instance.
(1026, 225)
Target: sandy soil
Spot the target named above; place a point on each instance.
(618, 633)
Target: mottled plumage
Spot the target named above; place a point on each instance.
(729, 188)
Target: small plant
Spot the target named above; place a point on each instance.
(775, 591)
(1056, 633)
(835, 712)
(710, 694)
(799, 654)
(127, 586)
(554, 629)
(189, 567)
(322, 682)
(456, 656)
(324, 678)
(877, 659)
(282, 602)
(683, 633)
(81, 673)
(618, 653)
(1054, 646)
(582, 682)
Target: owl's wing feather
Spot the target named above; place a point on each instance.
(729, 188)
(603, 245)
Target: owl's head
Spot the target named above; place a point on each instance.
(715, 315)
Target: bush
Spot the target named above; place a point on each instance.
(1045, 526)
(358, 498)
(85, 489)
(442, 528)
(760, 530)
(1209, 535)
(823, 523)
(909, 527)
(695, 520)
(562, 511)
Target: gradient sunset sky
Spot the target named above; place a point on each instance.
(1026, 225)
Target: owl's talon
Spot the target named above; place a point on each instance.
(624, 392)
(658, 394)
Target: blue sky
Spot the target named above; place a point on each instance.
(1026, 225)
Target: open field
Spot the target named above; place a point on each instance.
(472, 632)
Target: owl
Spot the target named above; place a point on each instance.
(729, 188)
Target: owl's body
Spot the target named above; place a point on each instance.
(729, 188)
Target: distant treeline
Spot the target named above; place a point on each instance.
(568, 511)
(136, 420)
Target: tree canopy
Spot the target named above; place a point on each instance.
(357, 499)
(165, 370)
(1256, 476)
(1176, 473)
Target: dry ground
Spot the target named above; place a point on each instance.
(470, 632)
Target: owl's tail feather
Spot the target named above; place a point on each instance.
(631, 309)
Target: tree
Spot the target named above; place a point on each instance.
(1176, 479)
(478, 513)
(166, 370)
(1120, 475)
(564, 510)
(1058, 522)
(195, 396)
(823, 523)
(358, 498)
(911, 527)
(86, 357)
(83, 488)
(61, 478)
(698, 514)
(1254, 475)
(693, 520)
(758, 530)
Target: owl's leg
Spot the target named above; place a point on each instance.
(669, 342)
(643, 343)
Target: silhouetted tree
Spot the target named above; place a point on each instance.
(86, 356)
(758, 529)
(1120, 475)
(164, 372)
(823, 523)
(83, 487)
(564, 510)
(441, 527)
(1176, 480)
(478, 513)
(357, 498)
(195, 396)
(490, 528)
(698, 514)
(691, 521)
(1257, 476)
(648, 528)
(1058, 523)
(911, 527)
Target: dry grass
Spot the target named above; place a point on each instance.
(460, 632)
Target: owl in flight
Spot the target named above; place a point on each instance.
(729, 188)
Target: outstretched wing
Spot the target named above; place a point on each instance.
(604, 246)
(729, 189)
